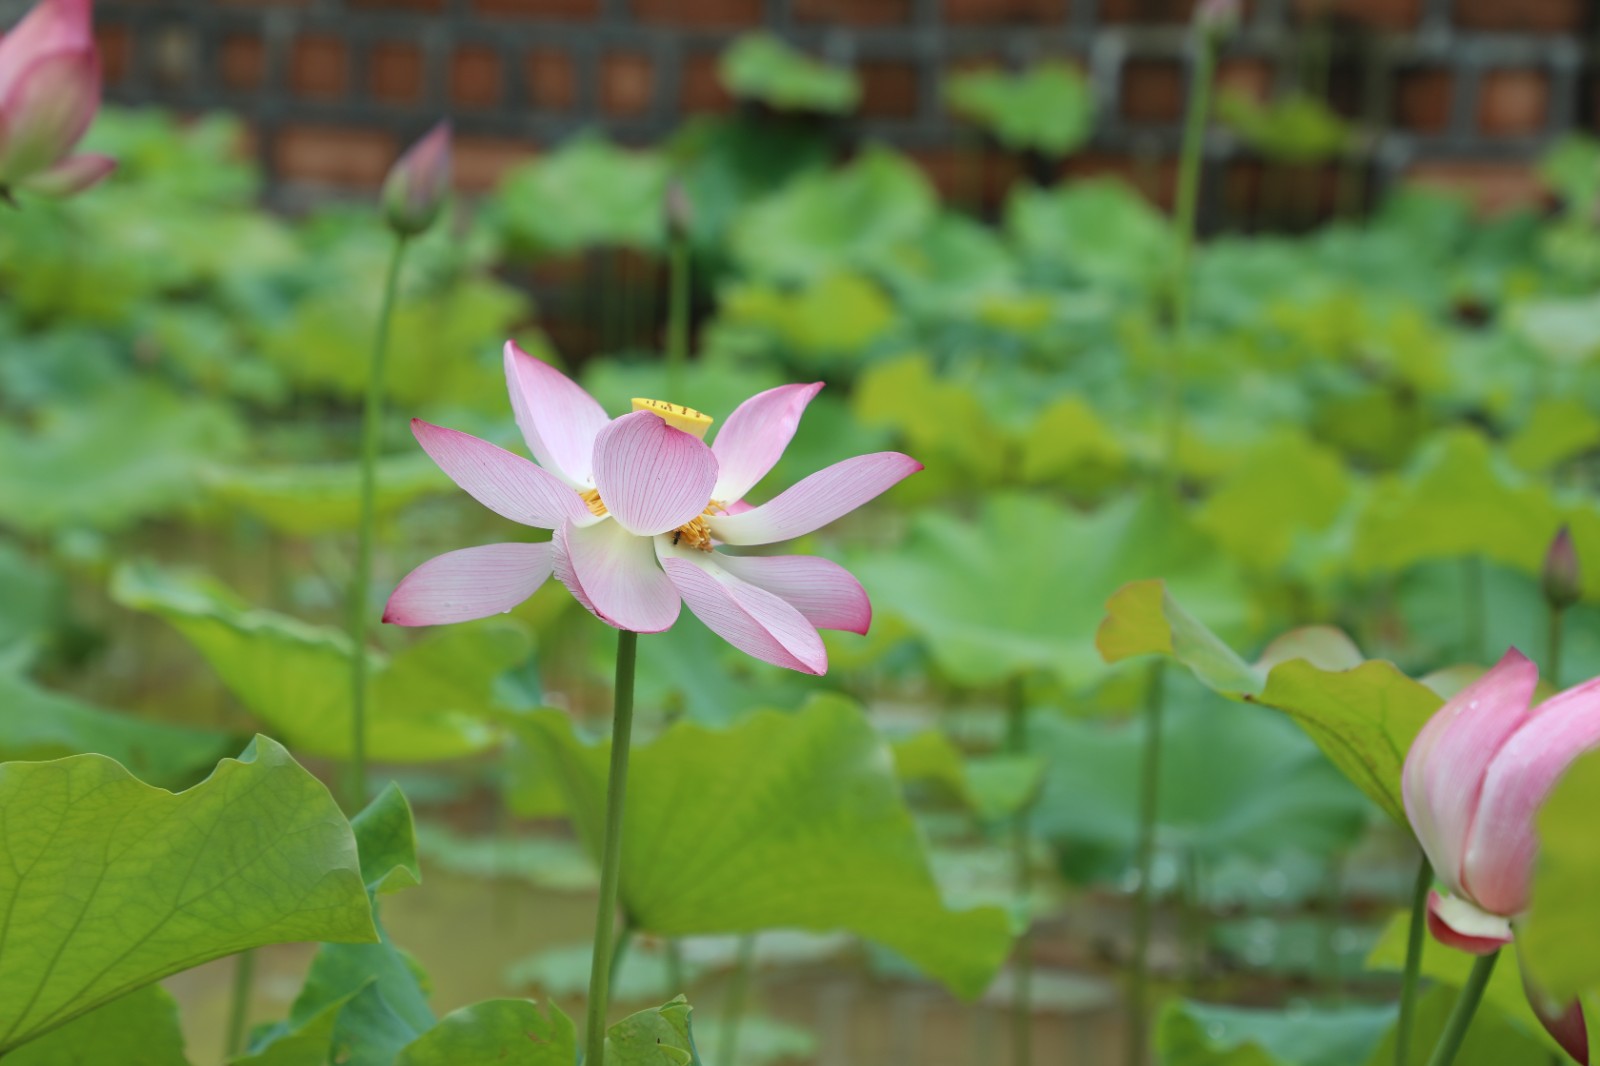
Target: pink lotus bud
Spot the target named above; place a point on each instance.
(1563, 578)
(1474, 781)
(679, 209)
(49, 92)
(418, 183)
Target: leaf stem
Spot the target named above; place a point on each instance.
(678, 315)
(1416, 939)
(1022, 887)
(244, 972)
(1455, 1030)
(361, 585)
(1149, 798)
(733, 1007)
(611, 848)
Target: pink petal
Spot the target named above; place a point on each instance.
(824, 592)
(70, 176)
(51, 26)
(816, 501)
(1444, 770)
(1564, 1022)
(507, 484)
(614, 574)
(1458, 924)
(753, 438)
(755, 621)
(471, 583)
(652, 477)
(46, 110)
(1502, 843)
(558, 419)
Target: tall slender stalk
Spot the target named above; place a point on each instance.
(1552, 666)
(1149, 797)
(733, 1007)
(360, 587)
(1415, 940)
(1455, 1030)
(244, 969)
(678, 314)
(1022, 886)
(611, 848)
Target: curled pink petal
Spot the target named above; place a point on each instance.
(651, 477)
(755, 621)
(70, 176)
(51, 26)
(1501, 845)
(1456, 923)
(470, 583)
(615, 575)
(507, 484)
(824, 592)
(1445, 768)
(558, 419)
(753, 438)
(47, 109)
(819, 499)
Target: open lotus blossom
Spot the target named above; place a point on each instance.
(639, 506)
(49, 92)
(1474, 781)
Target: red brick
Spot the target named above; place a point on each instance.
(244, 62)
(336, 155)
(888, 88)
(1532, 16)
(480, 162)
(476, 77)
(626, 83)
(853, 12)
(701, 89)
(537, 9)
(1379, 14)
(1495, 187)
(552, 80)
(978, 178)
(1422, 99)
(1005, 11)
(1146, 11)
(700, 14)
(394, 72)
(1251, 78)
(116, 52)
(431, 6)
(319, 67)
(1513, 102)
(1152, 90)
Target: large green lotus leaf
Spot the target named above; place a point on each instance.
(761, 67)
(1557, 429)
(1098, 231)
(1203, 1034)
(427, 702)
(1571, 168)
(1276, 794)
(778, 821)
(991, 786)
(1295, 128)
(307, 499)
(906, 396)
(1015, 591)
(1564, 917)
(37, 724)
(1363, 715)
(832, 318)
(727, 162)
(660, 1037)
(1047, 108)
(826, 221)
(588, 193)
(515, 1032)
(1458, 499)
(1283, 488)
(113, 883)
(1069, 443)
(138, 1029)
(110, 460)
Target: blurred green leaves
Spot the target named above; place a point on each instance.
(1046, 109)
(762, 68)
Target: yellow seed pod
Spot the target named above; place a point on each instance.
(676, 415)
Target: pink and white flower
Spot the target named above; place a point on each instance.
(639, 506)
(1473, 783)
(49, 93)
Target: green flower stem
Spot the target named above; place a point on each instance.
(1416, 938)
(678, 315)
(611, 848)
(244, 972)
(733, 1007)
(1149, 797)
(1455, 1030)
(675, 982)
(1022, 887)
(360, 588)
(1552, 666)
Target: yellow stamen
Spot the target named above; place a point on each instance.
(695, 533)
(592, 500)
(676, 415)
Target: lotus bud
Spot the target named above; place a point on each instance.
(417, 185)
(1563, 579)
(679, 210)
(49, 93)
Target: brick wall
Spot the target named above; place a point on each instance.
(1464, 91)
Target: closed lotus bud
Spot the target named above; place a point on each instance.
(680, 211)
(417, 185)
(1218, 16)
(49, 93)
(1563, 580)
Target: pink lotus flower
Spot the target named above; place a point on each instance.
(49, 92)
(1473, 782)
(417, 184)
(639, 506)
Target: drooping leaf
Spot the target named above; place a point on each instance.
(387, 841)
(428, 702)
(818, 837)
(1047, 109)
(138, 1029)
(114, 884)
(761, 67)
